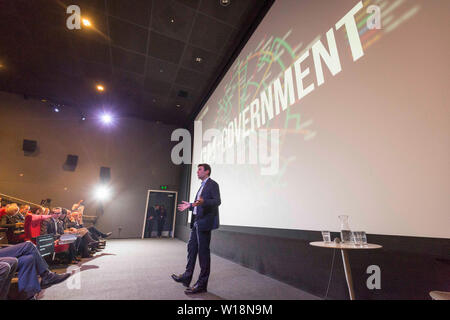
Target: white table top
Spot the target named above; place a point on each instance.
(345, 246)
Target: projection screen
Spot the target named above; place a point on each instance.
(335, 107)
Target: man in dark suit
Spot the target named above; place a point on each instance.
(205, 218)
(151, 217)
(162, 215)
(55, 226)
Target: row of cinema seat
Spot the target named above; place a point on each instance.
(32, 229)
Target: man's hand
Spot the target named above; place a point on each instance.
(183, 206)
(199, 202)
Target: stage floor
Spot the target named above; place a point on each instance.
(140, 269)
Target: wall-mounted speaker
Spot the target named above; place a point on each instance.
(71, 162)
(105, 174)
(29, 146)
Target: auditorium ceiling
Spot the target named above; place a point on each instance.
(157, 60)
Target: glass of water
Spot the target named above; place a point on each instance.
(360, 238)
(326, 235)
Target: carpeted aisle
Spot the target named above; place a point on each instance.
(141, 269)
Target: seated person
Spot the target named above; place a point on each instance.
(85, 240)
(55, 226)
(38, 211)
(14, 225)
(73, 226)
(30, 265)
(8, 267)
(23, 211)
(77, 217)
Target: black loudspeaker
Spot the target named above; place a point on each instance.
(29, 146)
(105, 174)
(71, 162)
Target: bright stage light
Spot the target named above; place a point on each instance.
(86, 22)
(106, 118)
(102, 193)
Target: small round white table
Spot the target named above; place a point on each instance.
(344, 247)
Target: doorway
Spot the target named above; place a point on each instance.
(160, 214)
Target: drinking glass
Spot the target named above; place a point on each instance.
(363, 237)
(326, 235)
(360, 238)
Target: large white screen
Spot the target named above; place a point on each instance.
(370, 139)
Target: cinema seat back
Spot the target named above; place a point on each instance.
(33, 230)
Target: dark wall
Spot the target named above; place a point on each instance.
(410, 267)
(137, 151)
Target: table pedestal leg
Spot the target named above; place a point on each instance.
(348, 274)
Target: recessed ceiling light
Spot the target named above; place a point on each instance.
(43, 100)
(198, 59)
(56, 109)
(21, 174)
(172, 20)
(100, 88)
(65, 188)
(86, 22)
(161, 70)
(225, 2)
(178, 105)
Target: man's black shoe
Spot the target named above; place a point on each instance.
(52, 278)
(93, 244)
(106, 235)
(180, 278)
(195, 289)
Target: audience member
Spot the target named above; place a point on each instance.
(8, 267)
(30, 265)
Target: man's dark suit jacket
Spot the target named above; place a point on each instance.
(207, 216)
(48, 227)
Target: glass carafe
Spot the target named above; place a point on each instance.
(346, 233)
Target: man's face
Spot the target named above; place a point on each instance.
(201, 173)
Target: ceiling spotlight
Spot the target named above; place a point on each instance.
(198, 59)
(83, 118)
(178, 105)
(100, 88)
(106, 118)
(225, 2)
(172, 20)
(56, 109)
(43, 100)
(86, 22)
(21, 175)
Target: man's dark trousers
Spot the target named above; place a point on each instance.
(199, 244)
(31, 264)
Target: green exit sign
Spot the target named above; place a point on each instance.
(163, 187)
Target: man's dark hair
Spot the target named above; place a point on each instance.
(206, 167)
